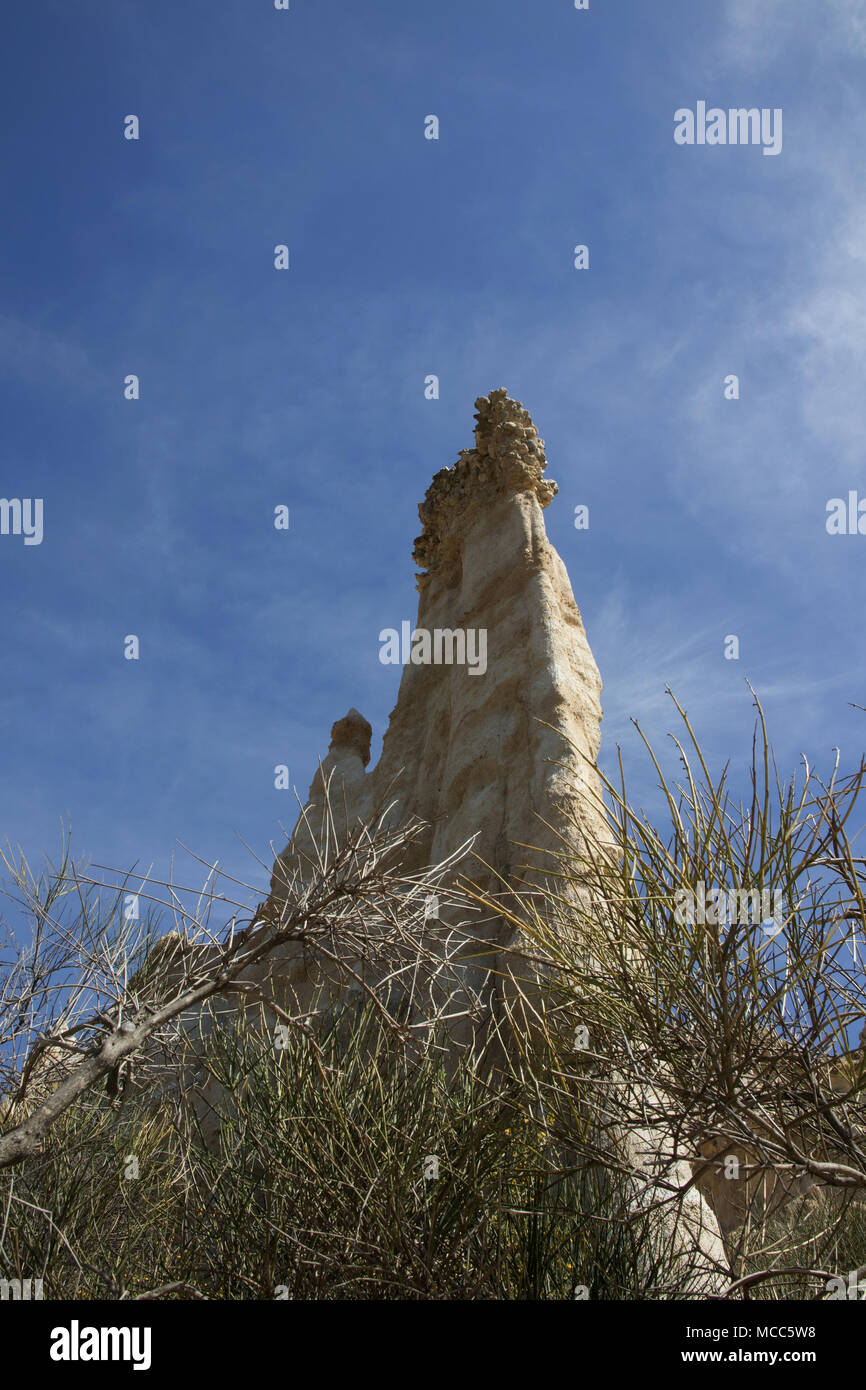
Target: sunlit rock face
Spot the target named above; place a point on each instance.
(498, 744)
(484, 751)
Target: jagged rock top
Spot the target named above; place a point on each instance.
(508, 457)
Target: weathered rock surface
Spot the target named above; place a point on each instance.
(483, 755)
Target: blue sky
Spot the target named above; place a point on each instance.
(306, 387)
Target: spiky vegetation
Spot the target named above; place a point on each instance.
(363, 1159)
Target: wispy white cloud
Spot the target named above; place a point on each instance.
(757, 32)
(794, 327)
(38, 354)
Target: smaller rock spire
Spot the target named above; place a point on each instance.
(352, 734)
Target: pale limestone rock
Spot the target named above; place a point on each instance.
(472, 755)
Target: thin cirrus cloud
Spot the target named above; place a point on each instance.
(754, 36)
